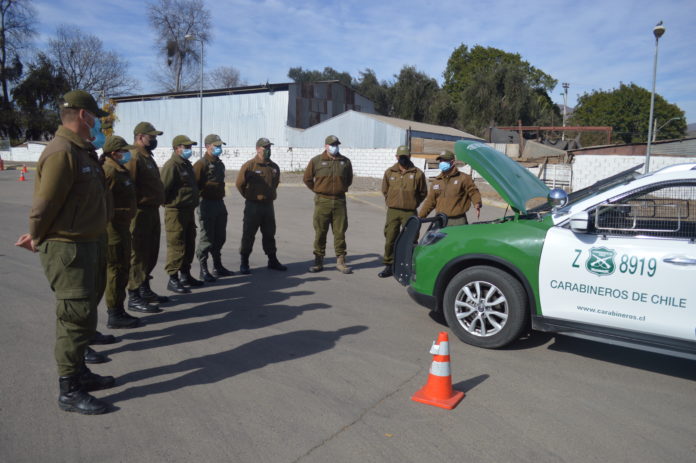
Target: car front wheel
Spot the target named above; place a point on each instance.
(485, 307)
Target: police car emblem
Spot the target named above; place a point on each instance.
(601, 261)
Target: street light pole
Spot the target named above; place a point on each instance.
(565, 105)
(658, 31)
(200, 96)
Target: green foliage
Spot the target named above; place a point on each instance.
(627, 110)
(378, 92)
(300, 75)
(412, 94)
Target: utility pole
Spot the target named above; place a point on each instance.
(565, 105)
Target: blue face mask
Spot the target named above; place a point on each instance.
(444, 166)
(125, 157)
(217, 151)
(186, 153)
(96, 133)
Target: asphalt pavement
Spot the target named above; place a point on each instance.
(300, 367)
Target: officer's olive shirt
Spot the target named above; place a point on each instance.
(328, 175)
(258, 181)
(404, 189)
(122, 190)
(70, 201)
(210, 177)
(451, 193)
(146, 176)
(180, 189)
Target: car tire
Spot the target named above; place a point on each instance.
(478, 320)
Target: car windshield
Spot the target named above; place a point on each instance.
(603, 185)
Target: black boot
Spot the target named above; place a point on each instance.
(175, 285)
(187, 279)
(205, 273)
(244, 266)
(274, 263)
(94, 382)
(118, 318)
(138, 304)
(73, 398)
(387, 272)
(99, 338)
(148, 295)
(219, 270)
(92, 356)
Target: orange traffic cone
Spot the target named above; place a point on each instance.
(24, 168)
(21, 177)
(438, 390)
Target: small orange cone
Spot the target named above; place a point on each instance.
(21, 177)
(438, 390)
(24, 168)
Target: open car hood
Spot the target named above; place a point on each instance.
(515, 184)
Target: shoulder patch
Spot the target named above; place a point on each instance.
(436, 186)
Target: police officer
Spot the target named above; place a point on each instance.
(180, 202)
(118, 181)
(68, 217)
(452, 193)
(212, 213)
(404, 187)
(145, 227)
(329, 175)
(257, 181)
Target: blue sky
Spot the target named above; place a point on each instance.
(589, 44)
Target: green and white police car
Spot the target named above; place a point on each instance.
(614, 262)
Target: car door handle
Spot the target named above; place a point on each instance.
(680, 260)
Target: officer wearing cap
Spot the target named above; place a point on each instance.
(180, 201)
(145, 227)
(329, 175)
(452, 192)
(68, 217)
(404, 187)
(257, 181)
(212, 213)
(116, 154)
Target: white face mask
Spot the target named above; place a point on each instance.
(333, 149)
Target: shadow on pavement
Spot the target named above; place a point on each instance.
(469, 384)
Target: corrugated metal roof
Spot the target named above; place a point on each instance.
(422, 126)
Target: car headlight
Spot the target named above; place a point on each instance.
(432, 237)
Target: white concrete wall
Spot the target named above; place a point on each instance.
(28, 153)
(589, 168)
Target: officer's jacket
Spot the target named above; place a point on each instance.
(180, 189)
(451, 193)
(210, 177)
(404, 190)
(328, 175)
(70, 198)
(122, 190)
(258, 181)
(146, 176)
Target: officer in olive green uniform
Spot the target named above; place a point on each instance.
(116, 154)
(180, 202)
(257, 182)
(212, 213)
(452, 193)
(145, 227)
(329, 175)
(404, 187)
(68, 217)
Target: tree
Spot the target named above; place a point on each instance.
(300, 75)
(225, 77)
(627, 110)
(412, 94)
(16, 30)
(173, 21)
(82, 60)
(378, 92)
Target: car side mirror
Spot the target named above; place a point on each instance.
(557, 198)
(579, 222)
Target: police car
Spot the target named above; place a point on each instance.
(614, 262)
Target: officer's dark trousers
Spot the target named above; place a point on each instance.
(396, 219)
(117, 264)
(180, 226)
(330, 212)
(258, 214)
(212, 215)
(72, 270)
(145, 231)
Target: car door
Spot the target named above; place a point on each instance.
(633, 269)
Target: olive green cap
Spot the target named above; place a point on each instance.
(213, 139)
(146, 128)
(403, 151)
(445, 155)
(263, 142)
(182, 140)
(116, 143)
(332, 140)
(79, 99)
